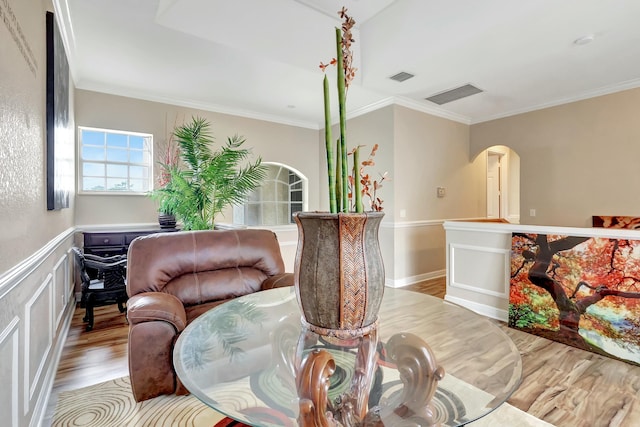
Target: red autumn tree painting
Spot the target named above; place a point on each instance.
(582, 291)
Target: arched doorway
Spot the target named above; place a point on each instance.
(502, 183)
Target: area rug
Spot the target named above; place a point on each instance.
(111, 404)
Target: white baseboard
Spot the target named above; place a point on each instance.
(399, 283)
(483, 309)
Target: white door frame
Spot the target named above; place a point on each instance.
(502, 183)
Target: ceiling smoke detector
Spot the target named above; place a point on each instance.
(401, 76)
(454, 94)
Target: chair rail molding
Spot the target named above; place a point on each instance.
(15, 275)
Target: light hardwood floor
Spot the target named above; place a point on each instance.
(561, 385)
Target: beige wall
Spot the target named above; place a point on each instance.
(293, 146)
(367, 130)
(433, 152)
(576, 160)
(36, 298)
(430, 152)
(26, 223)
(421, 152)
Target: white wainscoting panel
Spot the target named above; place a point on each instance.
(35, 313)
(60, 289)
(470, 269)
(478, 264)
(71, 278)
(38, 325)
(9, 354)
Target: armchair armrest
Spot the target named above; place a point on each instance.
(278, 281)
(105, 259)
(153, 306)
(100, 264)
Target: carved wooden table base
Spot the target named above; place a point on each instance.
(419, 373)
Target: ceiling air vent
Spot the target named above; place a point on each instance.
(401, 76)
(454, 94)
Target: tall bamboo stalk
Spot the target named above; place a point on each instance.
(357, 185)
(338, 187)
(328, 140)
(343, 121)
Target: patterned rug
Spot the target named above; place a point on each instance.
(111, 404)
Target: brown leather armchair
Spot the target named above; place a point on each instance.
(174, 277)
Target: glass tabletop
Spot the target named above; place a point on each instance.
(243, 358)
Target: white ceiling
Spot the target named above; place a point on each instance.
(260, 58)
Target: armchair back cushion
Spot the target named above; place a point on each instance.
(202, 266)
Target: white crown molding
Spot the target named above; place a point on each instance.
(400, 101)
(215, 108)
(411, 104)
(607, 90)
(434, 111)
(61, 10)
(61, 13)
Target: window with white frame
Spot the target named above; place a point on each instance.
(282, 193)
(112, 161)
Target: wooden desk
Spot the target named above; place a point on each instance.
(115, 242)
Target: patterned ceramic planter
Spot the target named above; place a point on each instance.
(339, 272)
(166, 220)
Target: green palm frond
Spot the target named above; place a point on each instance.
(195, 139)
(209, 181)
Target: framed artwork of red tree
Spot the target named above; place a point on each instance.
(581, 291)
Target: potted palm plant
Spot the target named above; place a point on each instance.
(339, 272)
(204, 182)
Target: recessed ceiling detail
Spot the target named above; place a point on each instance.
(361, 11)
(401, 76)
(454, 94)
(214, 66)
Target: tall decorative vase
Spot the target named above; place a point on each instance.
(339, 272)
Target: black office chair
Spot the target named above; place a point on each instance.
(108, 285)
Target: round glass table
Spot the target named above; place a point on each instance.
(251, 359)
